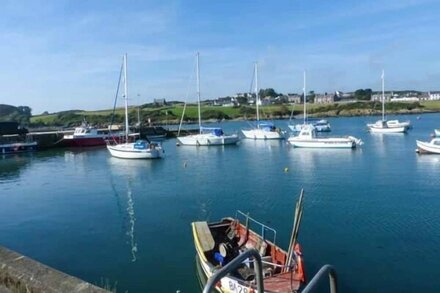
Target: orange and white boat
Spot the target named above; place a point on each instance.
(220, 242)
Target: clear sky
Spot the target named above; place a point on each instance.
(60, 55)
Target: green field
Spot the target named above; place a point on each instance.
(173, 114)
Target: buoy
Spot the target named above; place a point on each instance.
(185, 164)
(286, 170)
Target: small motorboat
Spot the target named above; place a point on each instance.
(432, 147)
(307, 138)
(381, 126)
(218, 243)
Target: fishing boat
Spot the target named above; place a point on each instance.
(140, 149)
(15, 147)
(432, 147)
(86, 135)
(262, 130)
(218, 243)
(384, 126)
(207, 136)
(307, 138)
(13, 139)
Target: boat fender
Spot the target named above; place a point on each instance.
(300, 263)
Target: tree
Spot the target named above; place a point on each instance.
(362, 94)
(268, 92)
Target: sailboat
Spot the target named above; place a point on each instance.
(140, 149)
(321, 125)
(207, 136)
(307, 137)
(384, 126)
(263, 129)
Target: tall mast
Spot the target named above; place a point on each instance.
(383, 95)
(198, 92)
(305, 98)
(257, 98)
(126, 97)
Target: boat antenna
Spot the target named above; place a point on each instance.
(383, 95)
(198, 92)
(126, 97)
(305, 98)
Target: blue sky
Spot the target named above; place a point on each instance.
(60, 55)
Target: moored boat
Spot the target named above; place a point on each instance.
(262, 130)
(85, 136)
(207, 136)
(432, 147)
(141, 149)
(381, 126)
(321, 125)
(17, 147)
(307, 138)
(218, 243)
(384, 126)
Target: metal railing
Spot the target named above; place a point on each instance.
(234, 264)
(313, 284)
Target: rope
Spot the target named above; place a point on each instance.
(114, 104)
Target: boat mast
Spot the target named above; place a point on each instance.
(126, 97)
(305, 98)
(257, 98)
(383, 95)
(198, 93)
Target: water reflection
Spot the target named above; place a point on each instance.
(127, 171)
(11, 166)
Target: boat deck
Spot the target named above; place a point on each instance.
(281, 283)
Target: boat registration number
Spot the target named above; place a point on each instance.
(235, 287)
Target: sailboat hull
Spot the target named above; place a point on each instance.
(262, 134)
(374, 129)
(127, 151)
(208, 140)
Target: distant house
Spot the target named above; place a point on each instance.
(378, 97)
(434, 95)
(324, 98)
(424, 97)
(404, 99)
(160, 102)
(294, 98)
(226, 102)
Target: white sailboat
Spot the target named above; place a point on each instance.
(307, 137)
(141, 149)
(263, 130)
(207, 136)
(384, 126)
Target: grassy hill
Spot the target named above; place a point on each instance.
(172, 114)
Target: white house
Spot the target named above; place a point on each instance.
(434, 95)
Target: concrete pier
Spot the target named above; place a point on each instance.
(19, 273)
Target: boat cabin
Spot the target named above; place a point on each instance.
(217, 131)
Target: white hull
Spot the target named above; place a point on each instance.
(374, 129)
(333, 143)
(262, 134)
(208, 140)
(428, 147)
(127, 151)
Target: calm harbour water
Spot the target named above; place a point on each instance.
(372, 212)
